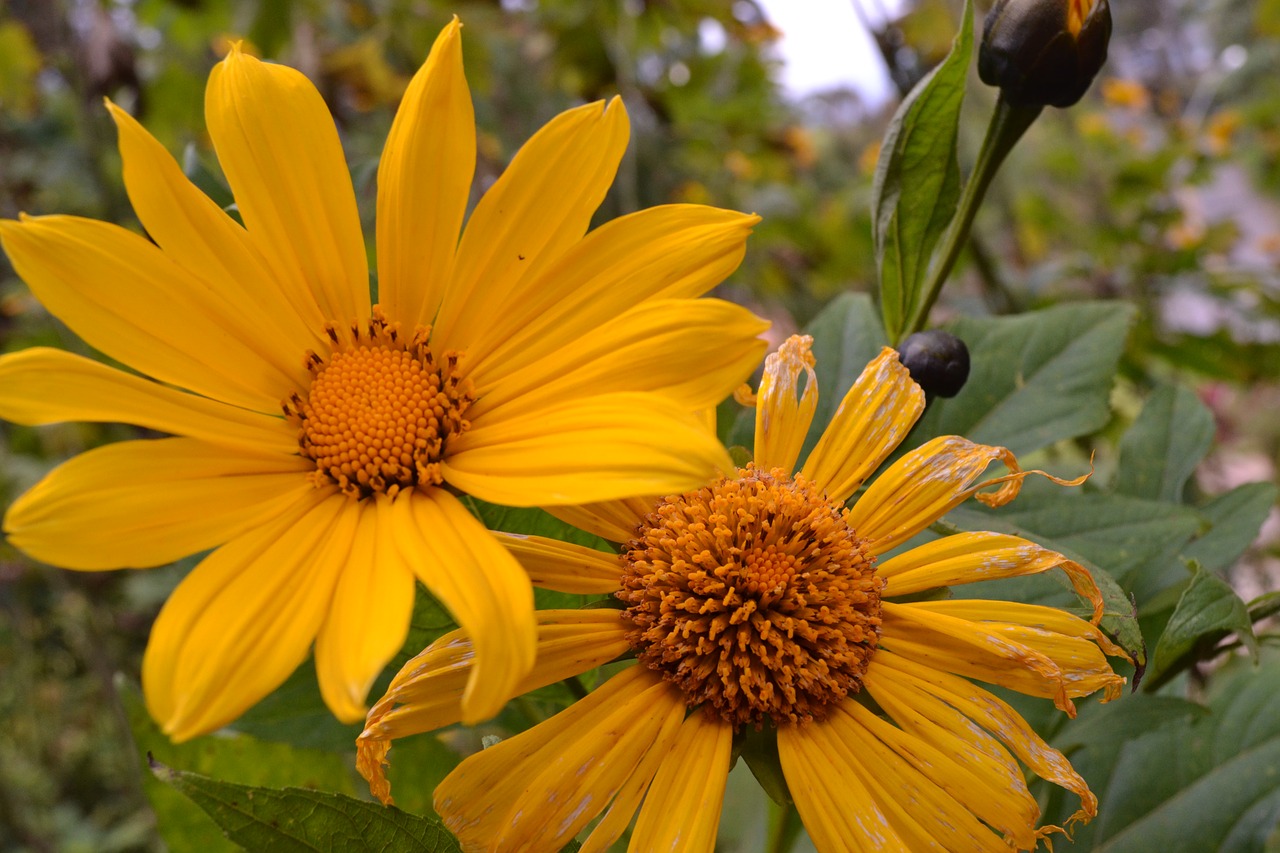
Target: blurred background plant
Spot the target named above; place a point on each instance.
(1162, 188)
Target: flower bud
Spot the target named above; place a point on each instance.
(938, 362)
(1044, 52)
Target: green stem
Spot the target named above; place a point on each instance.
(784, 828)
(1007, 125)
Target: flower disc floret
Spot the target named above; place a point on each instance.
(379, 411)
(753, 596)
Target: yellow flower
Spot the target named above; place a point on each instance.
(757, 600)
(527, 363)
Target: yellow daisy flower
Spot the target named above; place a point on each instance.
(527, 363)
(758, 600)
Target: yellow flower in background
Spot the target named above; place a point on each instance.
(321, 439)
(759, 600)
(1128, 94)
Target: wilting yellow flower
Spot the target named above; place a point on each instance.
(757, 600)
(525, 364)
(1220, 130)
(1129, 94)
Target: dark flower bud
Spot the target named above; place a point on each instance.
(938, 361)
(1044, 52)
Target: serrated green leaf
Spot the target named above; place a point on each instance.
(1035, 379)
(1138, 542)
(1161, 450)
(231, 756)
(1208, 610)
(1206, 783)
(1235, 517)
(296, 819)
(917, 180)
(1106, 726)
(1131, 545)
(1094, 741)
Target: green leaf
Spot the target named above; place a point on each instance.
(1162, 448)
(1267, 604)
(1204, 783)
(917, 180)
(295, 713)
(1208, 610)
(1137, 542)
(1094, 741)
(231, 756)
(295, 819)
(532, 522)
(1035, 379)
(1235, 518)
(1106, 726)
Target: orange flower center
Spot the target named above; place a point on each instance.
(380, 410)
(755, 597)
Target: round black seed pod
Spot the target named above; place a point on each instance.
(938, 361)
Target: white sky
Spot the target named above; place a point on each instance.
(825, 45)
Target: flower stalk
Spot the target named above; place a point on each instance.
(1008, 124)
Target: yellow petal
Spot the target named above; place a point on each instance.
(537, 790)
(682, 810)
(540, 206)
(480, 583)
(947, 730)
(368, 618)
(693, 351)
(1003, 803)
(128, 299)
(618, 816)
(563, 566)
(923, 486)
(280, 152)
(783, 411)
(242, 621)
(971, 557)
(1077, 646)
(954, 704)
(920, 810)
(670, 252)
(146, 503)
(424, 181)
(614, 520)
(46, 386)
(873, 418)
(427, 692)
(975, 651)
(201, 238)
(582, 451)
(838, 811)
